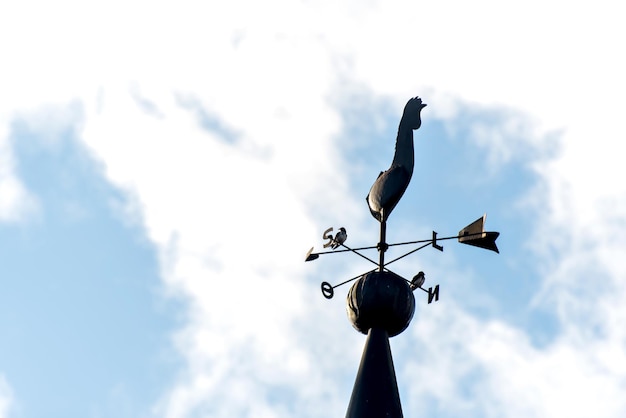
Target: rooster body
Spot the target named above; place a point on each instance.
(391, 184)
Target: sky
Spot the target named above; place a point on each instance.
(165, 167)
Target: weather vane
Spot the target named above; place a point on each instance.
(381, 303)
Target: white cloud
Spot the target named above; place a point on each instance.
(463, 365)
(232, 217)
(232, 227)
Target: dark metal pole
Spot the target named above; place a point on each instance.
(382, 245)
(375, 393)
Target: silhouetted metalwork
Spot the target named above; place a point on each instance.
(375, 393)
(381, 303)
(381, 300)
(391, 184)
(474, 234)
(471, 235)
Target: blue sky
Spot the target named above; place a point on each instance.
(165, 167)
(84, 315)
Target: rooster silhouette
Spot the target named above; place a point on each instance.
(391, 184)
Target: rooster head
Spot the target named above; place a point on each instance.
(411, 115)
